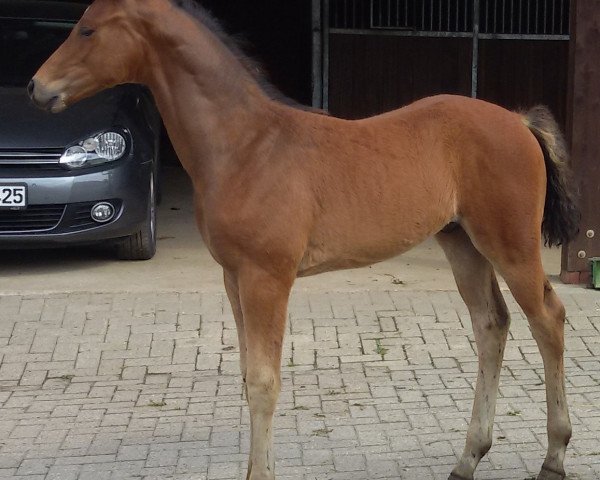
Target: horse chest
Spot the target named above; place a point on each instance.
(233, 230)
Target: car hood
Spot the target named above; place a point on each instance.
(23, 126)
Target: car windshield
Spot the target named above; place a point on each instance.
(25, 45)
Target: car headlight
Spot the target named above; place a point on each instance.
(103, 148)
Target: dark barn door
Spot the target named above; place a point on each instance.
(382, 54)
(371, 74)
(275, 33)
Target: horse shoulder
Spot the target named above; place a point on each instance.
(263, 224)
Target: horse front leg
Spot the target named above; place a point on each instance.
(263, 299)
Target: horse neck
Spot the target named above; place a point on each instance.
(210, 105)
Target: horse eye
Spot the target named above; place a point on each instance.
(86, 31)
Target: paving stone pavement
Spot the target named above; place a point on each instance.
(376, 384)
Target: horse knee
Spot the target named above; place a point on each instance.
(263, 386)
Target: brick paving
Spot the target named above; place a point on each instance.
(376, 385)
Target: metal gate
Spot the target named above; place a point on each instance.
(478, 20)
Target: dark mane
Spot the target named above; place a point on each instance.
(233, 44)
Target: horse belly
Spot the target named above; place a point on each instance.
(361, 248)
(318, 260)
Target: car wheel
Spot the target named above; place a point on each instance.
(142, 244)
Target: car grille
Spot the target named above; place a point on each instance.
(35, 159)
(36, 218)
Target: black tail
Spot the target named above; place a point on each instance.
(561, 213)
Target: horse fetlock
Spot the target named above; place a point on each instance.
(564, 437)
(548, 474)
(478, 445)
(567, 432)
(465, 468)
(567, 436)
(454, 476)
(261, 474)
(559, 435)
(483, 448)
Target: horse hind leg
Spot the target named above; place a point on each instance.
(517, 258)
(546, 316)
(479, 289)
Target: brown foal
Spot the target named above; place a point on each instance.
(281, 192)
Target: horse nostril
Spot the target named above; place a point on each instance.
(30, 88)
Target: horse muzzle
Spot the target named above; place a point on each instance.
(45, 98)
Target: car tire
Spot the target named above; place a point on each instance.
(142, 244)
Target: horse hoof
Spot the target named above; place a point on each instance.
(266, 476)
(546, 474)
(453, 476)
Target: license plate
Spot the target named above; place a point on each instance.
(13, 196)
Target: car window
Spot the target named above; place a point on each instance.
(25, 45)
